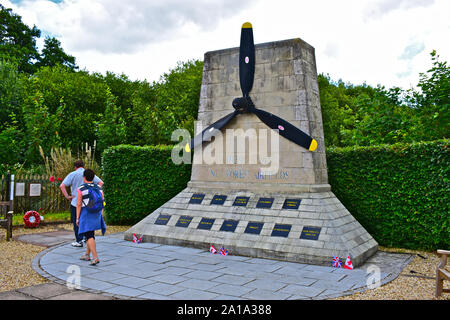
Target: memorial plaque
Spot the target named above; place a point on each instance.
(310, 233)
(35, 190)
(218, 199)
(162, 219)
(265, 203)
(254, 227)
(197, 198)
(183, 221)
(281, 230)
(206, 224)
(241, 201)
(229, 225)
(291, 204)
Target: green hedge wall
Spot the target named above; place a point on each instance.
(399, 193)
(138, 180)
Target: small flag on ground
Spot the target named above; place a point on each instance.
(348, 264)
(212, 249)
(337, 262)
(223, 251)
(135, 239)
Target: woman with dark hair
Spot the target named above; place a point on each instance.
(90, 214)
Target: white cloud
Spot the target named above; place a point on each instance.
(378, 42)
(378, 8)
(117, 26)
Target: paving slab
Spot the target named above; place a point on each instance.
(265, 285)
(231, 289)
(232, 279)
(45, 290)
(163, 272)
(262, 294)
(14, 295)
(162, 288)
(80, 295)
(47, 239)
(194, 294)
(125, 291)
(198, 284)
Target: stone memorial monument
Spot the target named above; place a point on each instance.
(255, 190)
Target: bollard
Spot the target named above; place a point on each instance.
(9, 224)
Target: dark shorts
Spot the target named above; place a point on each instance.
(88, 235)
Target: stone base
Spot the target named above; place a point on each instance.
(339, 235)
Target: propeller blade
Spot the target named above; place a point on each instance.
(207, 133)
(285, 129)
(246, 59)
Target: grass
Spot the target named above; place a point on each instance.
(48, 217)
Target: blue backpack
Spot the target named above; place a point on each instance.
(95, 203)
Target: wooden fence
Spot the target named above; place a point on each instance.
(34, 192)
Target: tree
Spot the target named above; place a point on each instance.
(130, 97)
(52, 54)
(142, 129)
(111, 128)
(11, 92)
(42, 127)
(335, 111)
(364, 115)
(177, 98)
(84, 98)
(433, 102)
(12, 144)
(18, 41)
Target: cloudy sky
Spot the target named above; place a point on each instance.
(384, 42)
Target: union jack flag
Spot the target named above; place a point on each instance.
(136, 239)
(337, 262)
(223, 251)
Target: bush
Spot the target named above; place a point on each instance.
(61, 161)
(399, 193)
(138, 180)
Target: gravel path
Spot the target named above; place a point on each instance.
(16, 257)
(416, 281)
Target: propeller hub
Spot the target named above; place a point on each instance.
(243, 105)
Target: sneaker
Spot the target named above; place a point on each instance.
(77, 244)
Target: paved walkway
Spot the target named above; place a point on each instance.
(154, 271)
(47, 239)
(51, 291)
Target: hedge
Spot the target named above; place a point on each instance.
(399, 193)
(138, 180)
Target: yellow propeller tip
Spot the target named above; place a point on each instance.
(247, 25)
(187, 148)
(313, 145)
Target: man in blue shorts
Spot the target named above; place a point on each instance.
(74, 180)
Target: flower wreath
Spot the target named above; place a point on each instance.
(32, 219)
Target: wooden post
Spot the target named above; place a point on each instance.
(441, 273)
(9, 224)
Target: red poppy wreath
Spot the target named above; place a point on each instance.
(31, 219)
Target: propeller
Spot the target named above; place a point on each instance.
(245, 103)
